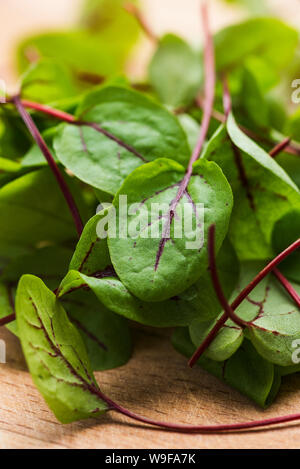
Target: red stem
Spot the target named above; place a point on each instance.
(280, 147)
(217, 115)
(63, 116)
(287, 286)
(46, 152)
(196, 428)
(216, 281)
(7, 319)
(135, 11)
(241, 297)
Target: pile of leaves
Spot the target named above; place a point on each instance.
(208, 126)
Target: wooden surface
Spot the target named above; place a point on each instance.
(156, 383)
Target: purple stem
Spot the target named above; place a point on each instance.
(46, 152)
(210, 81)
(241, 297)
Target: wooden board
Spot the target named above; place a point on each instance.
(156, 383)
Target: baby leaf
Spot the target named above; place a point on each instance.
(261, 198)
(285, 232)
(35, 218)
(245, 371)
(7, 306)
(111, 292)
(127, 130)
(266, 45)
(55, 353)
(106, 335)
(91, 257)
(248, 146)
(34, 156)
(94, 47)
(47, 81)
(155, 268)
(49, 263)
(172, 56)
(224, 345)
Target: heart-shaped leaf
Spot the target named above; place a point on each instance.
(155, 267)
(55, 353)
(261, 197)
(172, 56)
(106, 336)
(126, 130)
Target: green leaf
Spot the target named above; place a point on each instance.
(261, 197)
(47, 81)
(151, 267)
(106, 336)
(55, 353)
(265, 45)
(34, 157)
(136, 130)
(49, 263)
(248, 146)
(171, 58)
(6, 305)
(100, 45)
(191, 128)
(36, 217)
(91, 257)
(285, 232)
(245, 371)
(226, 343)
(274, 317)
(290, 163)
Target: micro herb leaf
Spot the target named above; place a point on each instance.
(55, 353)
(49, 263)
(93, 46)
(265, 45)
(34, 157)
(172, 56)
(119, 130)
(106, 336)
(36, 218)
(245, 144)
(47, 81)
(245, 371)
(155, 269)
(285, 232)
(261, 198)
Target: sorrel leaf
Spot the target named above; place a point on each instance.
(286, 231)
(157, 268)
(35, 218)
(49, 263)
(106, 336)
(172, 56)
(261, 198)
(55, 353)
(265, 45)
(92, 47)
(245, 371)
(127, 131)
(96, 272)
(248, 146)
(48, 81)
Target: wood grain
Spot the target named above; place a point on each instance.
(156, 383)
